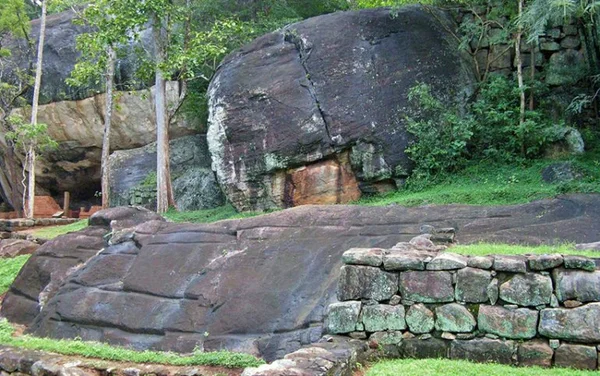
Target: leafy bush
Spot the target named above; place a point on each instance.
(446, 140)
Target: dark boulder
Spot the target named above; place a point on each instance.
(315, 113)
(257, 284)
(133, 175)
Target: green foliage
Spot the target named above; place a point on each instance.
(54, 231)
(26, 135)
(442, 134)
(446, 139)
(114, 353)
(442, 367)
(9, 268)
(13, 19)
(484, 249)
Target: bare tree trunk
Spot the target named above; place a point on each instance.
(34, 110)
(110, 77)
(520, 80)
(164, 192)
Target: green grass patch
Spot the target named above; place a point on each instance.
(209, 215)
(484, 249)
(54, 231)
(9, 268)
(493, 184)
(114, 353)
(440, 367)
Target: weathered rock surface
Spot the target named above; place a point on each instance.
(382, 317)
(16, 247)
(75, 117)
(577, 284)
(260, 284)
(420, 319)
(577, 324)
(133, 175)
(535, 354)
(508, 323)
(471, 285)
(454, 318)
(527, 290)
(576, 356)
(292, 103)
(427, 286)
(365, 282)
(483, 350)
(343, 317)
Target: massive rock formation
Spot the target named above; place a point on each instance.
(133, 176)
(259, 284)
(315, 113)
(75, 115)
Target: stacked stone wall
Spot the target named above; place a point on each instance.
(538, 310)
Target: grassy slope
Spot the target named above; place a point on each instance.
(436, 367)
(484, 249)
(9, 268)
(54, 231)
(107, 352)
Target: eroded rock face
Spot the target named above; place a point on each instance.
(133, 175)
(260, 285)
(315, 113)
(75, 115)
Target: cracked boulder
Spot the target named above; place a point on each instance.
(315, 113)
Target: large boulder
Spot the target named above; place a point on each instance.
(315, 113)
(75, 115)
(258, 284)
(133, 175)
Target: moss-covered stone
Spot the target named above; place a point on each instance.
(343, 317)
(508, 323)
(382, 317)
(454, 318)
(420, 319)
(527, 290)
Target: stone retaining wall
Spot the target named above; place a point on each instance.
(412, 301)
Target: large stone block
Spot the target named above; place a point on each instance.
(363, 256)
(527, 290)
(544, 262)
(580, 324)
(535, 354)
(508, 323)
(471, 285)
(343, 317)
(420, 319)
(365, 282)
(577, 285)
(513, 264)
(432, 348)
(484, 350)
(380, 317)
(454, 318)
(427, 286)
(447, 261)
(576, 356)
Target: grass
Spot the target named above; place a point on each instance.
(9, 268)
(485, 249)
(492, 184)
(54, 231)
(438, 367)
(114, 353)
(209, 215)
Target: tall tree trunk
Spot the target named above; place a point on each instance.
(34, 111)
(520, 80)
(164, 192)
(110, 78)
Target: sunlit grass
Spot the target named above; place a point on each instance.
(54, 231)
(484, 249)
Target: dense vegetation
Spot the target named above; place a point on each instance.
(9, 268)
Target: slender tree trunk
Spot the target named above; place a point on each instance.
(520, 79)
(34, 110)
(110, 77)
(164, 192)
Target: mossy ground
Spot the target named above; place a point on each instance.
(436, 367)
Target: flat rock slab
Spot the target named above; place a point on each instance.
(580, 324)
(260, 284)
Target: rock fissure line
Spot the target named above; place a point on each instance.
(304, 55)
(107, 325)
